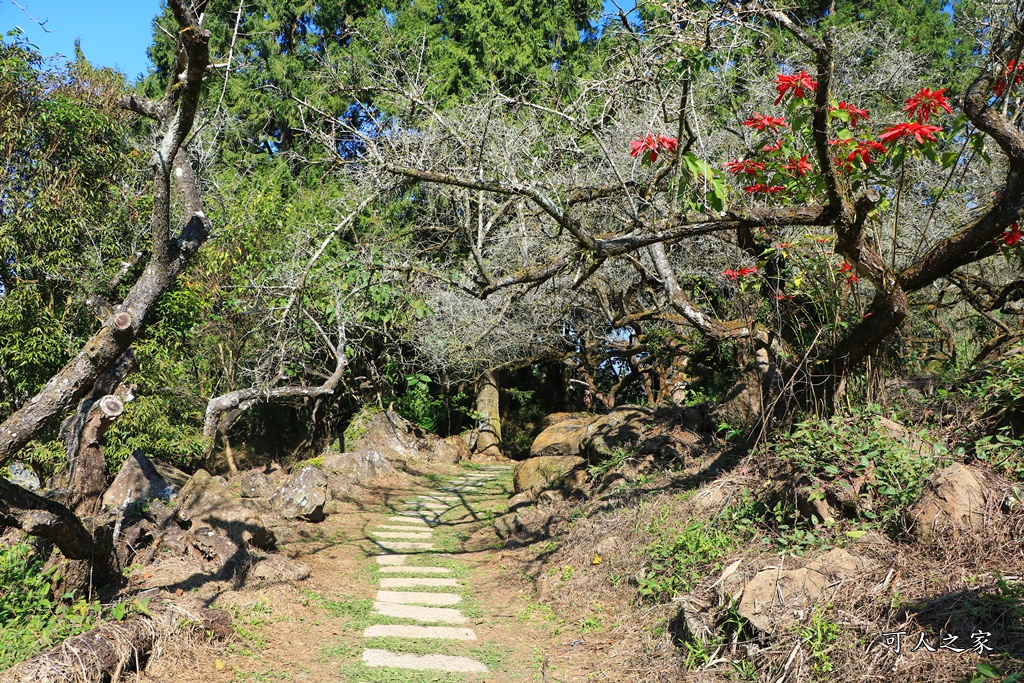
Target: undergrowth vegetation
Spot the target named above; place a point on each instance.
(32, 617)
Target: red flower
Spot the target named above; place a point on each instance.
(847, 268)
(651, 144)
(773, 148)
(906, 130)
(761, 188)
(799, 166)
(836, 142)
(783, 297)
(863, 151)
(795, 85)
(925, 102)
(1012, 236)
(748, 166)
(742, 272)
(1000, 85)
(854, 113)
(759, 122)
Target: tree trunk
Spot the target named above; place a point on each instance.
(175, 114)
(107, 651)
(88, 466)
(489, 415)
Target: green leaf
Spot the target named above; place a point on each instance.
(989, 671)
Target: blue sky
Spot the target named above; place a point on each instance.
(114, 33)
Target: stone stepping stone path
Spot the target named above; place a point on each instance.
(419, 592)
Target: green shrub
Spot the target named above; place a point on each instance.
(31, 618)
(678, 558)
(848, 447)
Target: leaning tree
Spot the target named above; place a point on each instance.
(178, 227)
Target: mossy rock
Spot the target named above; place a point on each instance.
(357, 426)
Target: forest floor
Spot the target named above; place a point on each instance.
(316, 629)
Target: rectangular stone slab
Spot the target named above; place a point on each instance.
(404, 545)
(413, 631)
(414, 581)
(405, 527)
(391, 560)
(417, 598)
(400, 534)
(444, 615)
(407, 520)
(383, 658)
(423, 516)
(409, 569)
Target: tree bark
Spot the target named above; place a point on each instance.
(489, 415)
(237, 402)
(107, 651)
(89, 467)
(175, 113)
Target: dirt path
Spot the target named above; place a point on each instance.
(407, 587)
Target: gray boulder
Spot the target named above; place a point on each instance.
(207, 500)
(359, 466)
(22, 475)
(543, 471)
(303, 496)
(256, 484)
(141, 478)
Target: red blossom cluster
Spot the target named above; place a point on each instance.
(925, 102)
(761, 122)
(853, 111)
(797, 85)
(851, 277)
(1011, 236)
(652, 144)
(748, 166)
(910, 129)
(798, 166)
(1012, 69)
(761, 188)
(737, 274)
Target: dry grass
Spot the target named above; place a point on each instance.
(590, 575)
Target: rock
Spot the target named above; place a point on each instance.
(22, 475)
(257, 484)
(770, 597)
(452, 450)
(528, 525)
(551, 496)
(575, 481)
(206, 500)
(540, 472)
(303, 496)
(953, 499)
(903, 434)
(341, 488)
(578, 419)
(608, 546)
(277, 568)
(565, 437)
(399, 441)
(220, 550)
(142, 479)
(358, 466)
(522, 499)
